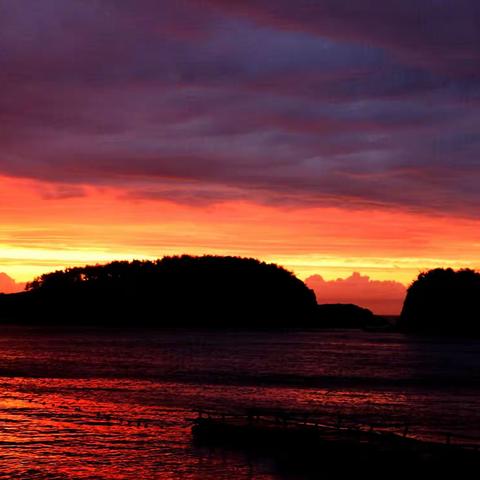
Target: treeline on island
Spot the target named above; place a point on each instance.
(230, 292)
(180, 291)
(443, 301)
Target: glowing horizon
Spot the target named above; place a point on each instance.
(298, 133)
(103, 225)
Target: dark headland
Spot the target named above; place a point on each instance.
(229, 292)
(181, 291)
(443, 301)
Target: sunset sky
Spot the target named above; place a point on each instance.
(340, 139)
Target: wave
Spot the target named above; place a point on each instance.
(248, 379)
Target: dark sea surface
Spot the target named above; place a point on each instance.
(103, 404)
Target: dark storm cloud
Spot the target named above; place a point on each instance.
(441, 33)
(305, 103)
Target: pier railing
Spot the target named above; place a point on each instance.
(340, 423)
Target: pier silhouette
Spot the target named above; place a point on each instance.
(314, 443)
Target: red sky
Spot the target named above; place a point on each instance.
(381, 296)
(45, 227)
(329, 137)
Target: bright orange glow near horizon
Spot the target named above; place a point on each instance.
(42, 231)
(299, 135)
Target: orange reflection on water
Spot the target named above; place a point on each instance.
(50, 436)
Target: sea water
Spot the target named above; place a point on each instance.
(117, 404)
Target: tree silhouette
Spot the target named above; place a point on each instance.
(180, 291)
(443, 301)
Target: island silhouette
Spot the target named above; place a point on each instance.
(443, 301)
(229, 292)
(346, 315)
(178, 291)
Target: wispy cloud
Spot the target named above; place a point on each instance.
(303, 103)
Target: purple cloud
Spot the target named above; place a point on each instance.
(370, 103)
(441, 34)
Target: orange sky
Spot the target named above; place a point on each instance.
(45, 227)
(295, 132)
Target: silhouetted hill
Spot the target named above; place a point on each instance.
(182, 291)
(443, 301)
(347, 315)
